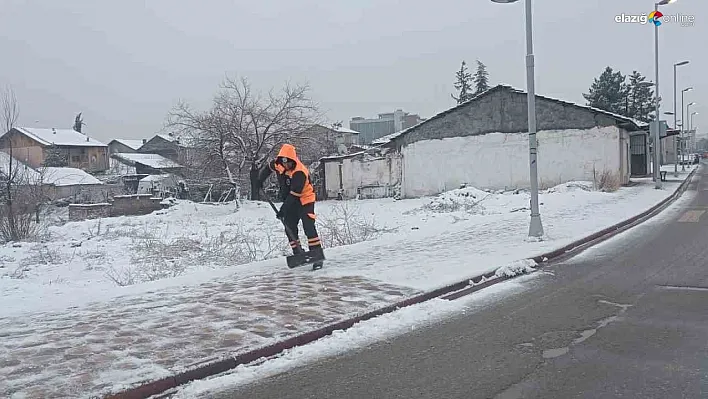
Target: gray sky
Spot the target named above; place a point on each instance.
(125, 63)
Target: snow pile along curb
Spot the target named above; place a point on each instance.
(449, 292)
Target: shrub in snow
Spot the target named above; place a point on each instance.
(156, 257)
(39, 255)
(344, 225)
(607, 181)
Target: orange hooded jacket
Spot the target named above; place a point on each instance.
(300, 187)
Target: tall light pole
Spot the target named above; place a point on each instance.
(686, 123)
(536, 226)
(657, 123)
(693, 133)
(678, 64)
(683, 125)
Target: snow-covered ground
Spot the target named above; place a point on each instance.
(364, 333)
(403, 321)
(420, 243)
(86, 279)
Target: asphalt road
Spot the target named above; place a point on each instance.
(628, 319)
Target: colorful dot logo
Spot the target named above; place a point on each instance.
(655, 17)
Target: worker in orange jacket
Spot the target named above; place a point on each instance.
(298, 196)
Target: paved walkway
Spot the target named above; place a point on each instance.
(88, 351)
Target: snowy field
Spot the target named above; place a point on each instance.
(421, 243)
(124, 295)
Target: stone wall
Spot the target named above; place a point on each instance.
(89, 211)
(136, 204)
(122, 205)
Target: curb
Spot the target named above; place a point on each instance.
(449, 292)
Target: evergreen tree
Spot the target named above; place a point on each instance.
(463, 83)
(78, 122)
(55, 157)
(481, 78)
(608, 92)
(640, 99)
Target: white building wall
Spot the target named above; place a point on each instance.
(374, 178)
(500, 160)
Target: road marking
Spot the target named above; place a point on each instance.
(683, 288)
(691, 216)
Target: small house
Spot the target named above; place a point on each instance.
(162, 144)
(116, 146)
(36, 147)
(72, 183)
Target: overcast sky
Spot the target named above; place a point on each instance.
(125, 63)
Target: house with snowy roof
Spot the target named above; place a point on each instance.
(34, 145)
(149, 164)
(72, 183)
(483, 142)
(166, 145)
(125, 145)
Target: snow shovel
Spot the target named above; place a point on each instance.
(293, 261)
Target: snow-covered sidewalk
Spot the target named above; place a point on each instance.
(61, 345)
(105, 346)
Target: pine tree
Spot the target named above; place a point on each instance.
(608, 92)
(640, 103)
(481, 78)
(463, 83)
(78, 122)
(55, 157)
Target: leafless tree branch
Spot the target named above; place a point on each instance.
(23, 191)
(242, 128)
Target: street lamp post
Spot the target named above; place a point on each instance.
(683, 125)
(657, 138)
(678, 64)
(688, 117)
(535, 226)
(693, 133)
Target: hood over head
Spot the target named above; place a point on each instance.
(288, 151)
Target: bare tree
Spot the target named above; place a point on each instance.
(242, 128)
(23, 189)
(316, 142)
(9, 108)
(10, 113)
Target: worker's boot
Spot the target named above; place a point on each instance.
(316, 254)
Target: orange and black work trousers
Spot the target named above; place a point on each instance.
(306, 213)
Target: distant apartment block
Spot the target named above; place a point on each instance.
(385, 124)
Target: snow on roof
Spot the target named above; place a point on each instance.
(385, 139)
(182, 140)
(166, 137)
(130, 143)
(370, 152)
(388, 138)
(154, 161)
(21, 171)
(68, 177)
(63, 137)
(345, 130)
(157, 177)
